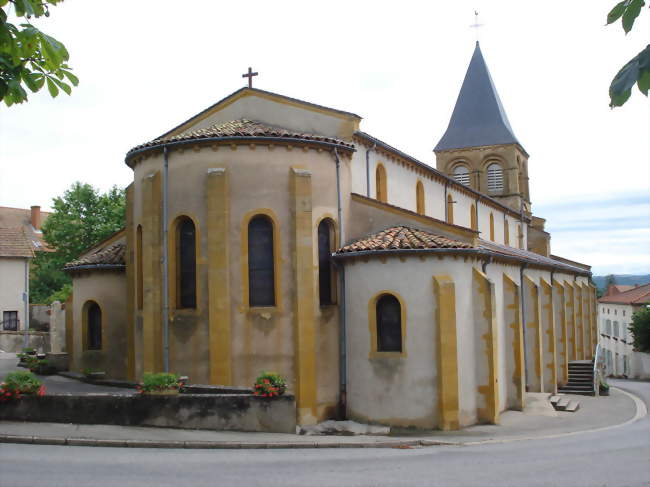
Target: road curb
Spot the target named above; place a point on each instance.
(641, 411)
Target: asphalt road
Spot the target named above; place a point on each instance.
(614, 457)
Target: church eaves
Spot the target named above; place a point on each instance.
(478, 118)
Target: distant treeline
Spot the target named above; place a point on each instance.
(623, 279)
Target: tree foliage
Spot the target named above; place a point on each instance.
(637, 70)
(82, 217)
(640, 329)
(29, 57)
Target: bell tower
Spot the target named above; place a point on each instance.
(479, 148)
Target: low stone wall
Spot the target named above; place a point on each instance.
(39, 317)
(640, 365)
(13, 341)
(231, 412)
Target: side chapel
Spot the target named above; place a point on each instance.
(269, 233)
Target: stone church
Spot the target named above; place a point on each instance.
(268, 233)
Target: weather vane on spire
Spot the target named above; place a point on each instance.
(476, 25)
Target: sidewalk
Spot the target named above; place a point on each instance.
(594, 413)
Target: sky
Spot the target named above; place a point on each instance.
(146, 66)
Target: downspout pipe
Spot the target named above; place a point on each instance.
(164, 260)
(343, 355)
(523, 319)
(374, 146)
(26, 302)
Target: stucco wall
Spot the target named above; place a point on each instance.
(640, 365)
(12, 286)
(618, 344)
(13, 342)
(108, 290)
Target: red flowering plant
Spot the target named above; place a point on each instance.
(21, 383)
(269, 384)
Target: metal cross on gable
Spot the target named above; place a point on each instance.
(249, 75)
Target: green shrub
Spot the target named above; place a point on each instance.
(162, 381)
(20, 383)
(269, 384)
(640, 329)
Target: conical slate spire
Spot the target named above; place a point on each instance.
(479, 118)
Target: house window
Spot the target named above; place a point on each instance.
(450, 209)
(139, 274)
(185, 263)
(616, 329)
(419, 196)
(608, 327)
(473, 218)
(325, 274)
(381, 185)
(10, 320)
(389, 324)
(261, 269)
(494, 178)
(491, 227)
(461, 175)
(94, 325)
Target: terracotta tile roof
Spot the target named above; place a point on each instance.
(242, 128)
(636, 295)
(615, 289)
(111, 257)
(528, 256)
(14, 243)
(20, 217)
(402, 238)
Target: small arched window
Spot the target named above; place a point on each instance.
(389, 324)
(325, 272)
(94, 324)
(506, 232)
(495, 178)
(473, 218)
(461, 175)
(185, 263)
(261, 269)
(491, 227)
(381, 184)
(450, 209)
(419, 197)
(138, 266)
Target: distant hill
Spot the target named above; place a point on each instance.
(623, 279)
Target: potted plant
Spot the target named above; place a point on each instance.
(603, 389)
(162, 384)
(269, 384)
(25, 354)
(20, 383)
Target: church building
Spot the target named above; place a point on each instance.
(268, 233)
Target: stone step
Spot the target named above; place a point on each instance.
(579, 385)
(572, 407)
(571, 390)
(581, 380)
(561, 404)
(554, 400)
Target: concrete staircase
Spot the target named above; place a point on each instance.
(581, 378)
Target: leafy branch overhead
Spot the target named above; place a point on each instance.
(30, 58)
(637, 70)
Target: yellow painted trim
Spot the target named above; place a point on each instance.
(277, 261)
(491, 226)
(131, 284)
(84, 325)
(419, 198)
(219, 305)
(447, 356)
(172, 259)
(563, 360)
(506, 231)
(548, 308)
(473, 217)
(381, 183)
(305, 303)
(69, 329)
(580, 336)
(372, 326)
(533, 324)
(139, 274)
(517, 333)
(570, 322)
(450, 209)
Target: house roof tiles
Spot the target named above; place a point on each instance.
(14, 243)
(636, 295)
(402, 238)
(111, 257)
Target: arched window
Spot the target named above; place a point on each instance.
(325, 274)
(461, 175)
(94, 326)
(473, 218)
(138, 266)
(261, 269)
(419, 197)
(381, 184)
(494, 178)
(389, 324)
(450, 209)
(506, 232)
(185, 263)
(491, 227)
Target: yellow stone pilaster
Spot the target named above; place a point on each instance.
(304, 313)
(580, 335)
(447, 359)
(593, 318)
(586, 323)
(570, 321)
(69, 330)
(130, 286)
(548, 334)
(151, 268)
(533, 332)
(515, 366)
(562, 342)
(485, 342)
(220, 339)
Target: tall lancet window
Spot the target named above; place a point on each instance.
(185, 263)
(261, 271)
(494, 178)
(325, 274)
(389, 324)
(461, 175)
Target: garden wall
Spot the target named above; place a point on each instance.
(13, 341)
(640, 365)
(233, 412)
